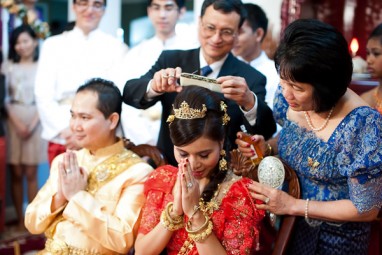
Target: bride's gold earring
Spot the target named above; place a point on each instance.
(223, 165)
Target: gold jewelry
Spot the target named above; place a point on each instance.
(200, 237)
(189, 224)
(313, 163)
(168, 222)
(223, 165)
(187, 113)
(223, 108)
(269, 151)
(310, 124)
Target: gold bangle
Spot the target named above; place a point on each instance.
(168, 222)
(178, 219)
(200, 237)
(269, 151)
(189, 224)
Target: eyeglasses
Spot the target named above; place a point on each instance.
(96, 6)
(226, 34)
(166, 8)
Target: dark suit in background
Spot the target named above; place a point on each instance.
(135, 90)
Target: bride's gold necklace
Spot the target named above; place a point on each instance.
(378, 102)
(310, 124)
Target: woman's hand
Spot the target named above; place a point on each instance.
(177, 192)
(245, 148)
(190, 189)
(72, 178)
(275, 201)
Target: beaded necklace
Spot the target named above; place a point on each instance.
(310, 124)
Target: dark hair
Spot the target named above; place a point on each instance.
(376, 33)
(105, 1)
(186, 131)
(12, 55)
(226, 6)
(256, 18)
(179, 3)
(316, 53)
(109, 96)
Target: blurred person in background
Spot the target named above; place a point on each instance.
(25, 147)
(67, 60)
(248, 48)
(164, 16)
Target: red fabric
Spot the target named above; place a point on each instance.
(2, 183)
(54, 149)
(236, 223)
(375, 246)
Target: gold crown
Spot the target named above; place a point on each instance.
(187, 113)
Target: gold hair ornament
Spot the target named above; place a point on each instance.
(223, 108)
(187, 113)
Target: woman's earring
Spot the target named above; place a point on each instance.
(223, 162)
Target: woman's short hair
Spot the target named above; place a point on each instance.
(13, 55)
(316, 53)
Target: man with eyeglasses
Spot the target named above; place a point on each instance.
(164, 15)
(242, 85)
(67, 61)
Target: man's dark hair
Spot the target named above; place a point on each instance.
(109, 96)
(256, 17)
(105, 1)
(179, 3)
(226, 6)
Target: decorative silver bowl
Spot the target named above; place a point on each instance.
(271, 171)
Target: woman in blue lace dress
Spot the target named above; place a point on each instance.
(330, 137)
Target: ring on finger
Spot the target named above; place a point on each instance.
(266, 201)
(68, 171)
(189, 185)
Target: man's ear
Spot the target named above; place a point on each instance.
(182, 11)
(114, 118)
(259, 34)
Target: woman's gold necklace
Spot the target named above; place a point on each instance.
(310, 124)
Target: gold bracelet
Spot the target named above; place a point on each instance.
(200, 237)
(189, 224)
(168, 222)
(178, 219)
(269, 151)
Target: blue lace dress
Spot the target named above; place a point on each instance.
(347, 166)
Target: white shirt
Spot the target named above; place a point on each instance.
(216, 67)
(142, 126)
(267, 67)
(66, 62)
